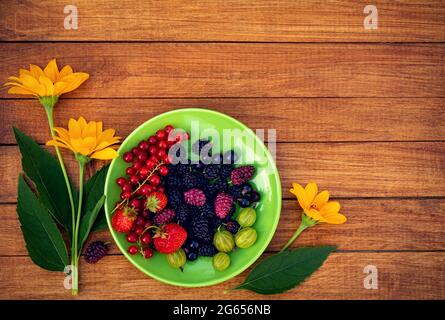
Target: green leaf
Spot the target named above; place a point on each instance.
(45, 172)
(43, 239)
(92, 207)
(283, 271)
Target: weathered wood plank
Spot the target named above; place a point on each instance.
(347, 169)
(315, 119)
(241, 70)
(372, 225)
(401, 275)
(218, 20)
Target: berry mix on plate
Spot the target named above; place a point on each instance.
(183, 208)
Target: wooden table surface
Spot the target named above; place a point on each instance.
(359, 111)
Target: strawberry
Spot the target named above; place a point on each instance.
(123, 219)
(156, 201)
(169, 238)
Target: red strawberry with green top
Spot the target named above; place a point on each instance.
(156, 201)
(169, 238)
(123, 219)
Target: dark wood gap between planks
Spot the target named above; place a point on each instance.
(225, 42)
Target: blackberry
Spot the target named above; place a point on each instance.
(199, 145)
(207, 211)
(191, 180)
(183, 214)
(232, 226)
(211, 171)
(226, 170)
(200, 229)
(235, 191)
(95, 251)
(175, 198)
(207, 250)
(173, 181)
(221, 185)
(184, 168)
(215, 222)
(211, 191)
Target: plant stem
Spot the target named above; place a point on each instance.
(306, 222)
(49, 113)
(74, 251)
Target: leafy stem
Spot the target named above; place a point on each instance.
(306, 222)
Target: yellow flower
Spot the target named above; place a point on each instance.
(86, 139)
(49, 82)
(317, 205)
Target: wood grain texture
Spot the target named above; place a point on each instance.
(241, 69)
(372, 225)
(341, 277)
(346, 169)
(315, 119)
(223, 20)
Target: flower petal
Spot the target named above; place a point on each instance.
(74, 80)
(49, 86)
(58, 88)
(66, 71)
(52, 71)
(300, 193)
(336, 218)
(36, 71)
(105, 154)
(311, 191)
(321, 199)
(332, 207)
(89, 130)
(315, 215)
(74, 129)
(63, 133)
(19, 90)
(88, 145)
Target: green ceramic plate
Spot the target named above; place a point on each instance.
(266, 181)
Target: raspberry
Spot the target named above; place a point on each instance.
(223, 205)
(95, 251)
(242, 174)
(207, 250)
(232, 226)
(165, 216)
(195, 197)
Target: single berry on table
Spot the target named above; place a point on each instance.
(95, 251)
(133, 249)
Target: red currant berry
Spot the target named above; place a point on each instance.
(169, 128)
(154, 180)
(146, 189)
(150, 164)
(138, 165)
(162, 144)
(163, 170)
(143, 156)
(147, 253)
(161, 153)
(130, 171)
(135, 151)
(138, 230)
(132, 237)
(134, 180)
(147, 224)
(154, 158)
(166, 159)
(127, 187)
(135, 203)
(125, 195)
(133, 250)
(121, 182)
(128, 157)
(153, 149)
(143, 145)
(152, 140)
(161, 134)
(140, 221)
(145, 238)
(161, 189)
(144, 172)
